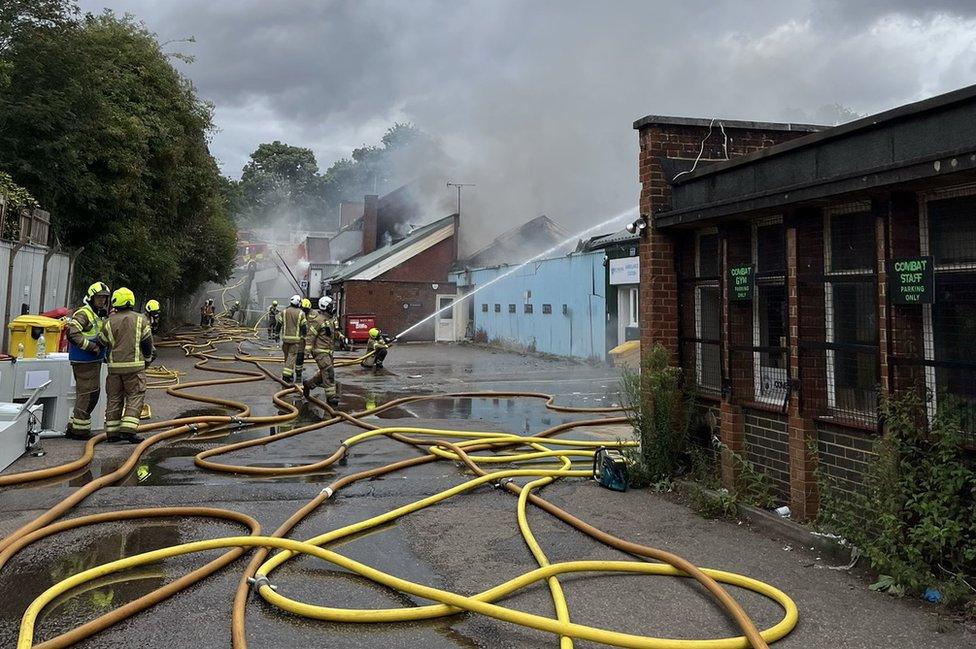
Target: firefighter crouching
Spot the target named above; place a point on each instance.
(379, 345)
(128, 336)
(319, 344)
(86, 354)
(293, 326)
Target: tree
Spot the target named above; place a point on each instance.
(280, 182)
(110, 139)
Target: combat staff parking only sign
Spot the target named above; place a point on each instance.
(911, 280)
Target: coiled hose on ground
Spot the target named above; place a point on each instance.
(436, 445)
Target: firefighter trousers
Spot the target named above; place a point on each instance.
(87, 390)
(125, 394)
(326, 374)
(290, 351)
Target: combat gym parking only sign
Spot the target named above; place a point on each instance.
(911, 280)
(740, 283)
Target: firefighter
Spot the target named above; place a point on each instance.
(319, 344)
(128, 337)
(306, 307)
(86, 355)
(273, 321)
(211, 312)
(152, 314)
(293, 326)
(234, 309)
(203, 313)
(379, 344)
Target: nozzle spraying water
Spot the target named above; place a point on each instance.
(629, 213)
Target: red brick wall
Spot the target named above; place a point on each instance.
(369, 223)
(432, 265)
(659, 288)
(385, 300)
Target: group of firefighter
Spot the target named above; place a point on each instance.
(304, 331)
(108, 329)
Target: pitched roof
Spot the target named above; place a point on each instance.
(514, 244)
(383, 259)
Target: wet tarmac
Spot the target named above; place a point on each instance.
(466, 544)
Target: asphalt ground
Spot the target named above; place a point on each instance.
(465, 544)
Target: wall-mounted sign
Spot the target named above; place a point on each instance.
(911, 280)
(740, 282)
(625, 270)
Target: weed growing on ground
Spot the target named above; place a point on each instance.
(915, 516)
(659, 408)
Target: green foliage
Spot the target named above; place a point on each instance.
(659, 408)
(707, 496)
(709, 504)
(280, 182)
(111, 140)
(915, 519)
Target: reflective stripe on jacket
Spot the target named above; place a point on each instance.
(319, 338)
(294, 325)
(84, 326)
(128, 335)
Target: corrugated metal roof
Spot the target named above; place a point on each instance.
(361, 264)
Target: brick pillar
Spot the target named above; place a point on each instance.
(906, 328)
(801, 430)
(732, 434)
(658, 293)
(880, 209)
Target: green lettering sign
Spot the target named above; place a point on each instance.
(740, 283)
(911, 281)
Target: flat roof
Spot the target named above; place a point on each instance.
(665, 120)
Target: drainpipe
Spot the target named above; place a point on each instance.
(71, 273)
(10, 288)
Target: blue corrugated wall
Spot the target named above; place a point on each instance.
(577, 281)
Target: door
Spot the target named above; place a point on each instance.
(444, 330)
(315, 283)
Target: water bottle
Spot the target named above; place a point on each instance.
(20, 351)
(41, 347)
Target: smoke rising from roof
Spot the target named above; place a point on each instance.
(533, 101)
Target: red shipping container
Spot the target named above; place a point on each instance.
(358, 326)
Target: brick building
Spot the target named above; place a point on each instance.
(797, 272)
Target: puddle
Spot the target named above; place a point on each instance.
(47, 563)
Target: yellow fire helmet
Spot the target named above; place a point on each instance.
(374, 332)
(274, 302)
(152, 306)
(98, 288)
(306, 303)
(123, 297)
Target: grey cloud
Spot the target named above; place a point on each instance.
(534, 100)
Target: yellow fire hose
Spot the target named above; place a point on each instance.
(438, 446)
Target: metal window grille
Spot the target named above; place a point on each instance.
(936, 343)
(838, 332)
(484, 308)
(546, 309)
(498, 308)
(527, 308)
(770, 326)
(700, 331)
(511, 308)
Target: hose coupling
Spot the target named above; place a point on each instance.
(327, 491)
(194, 428)
(257, 581)
(501, 483)
(238, 422)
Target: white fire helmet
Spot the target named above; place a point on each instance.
(295, 300)
(325, 302)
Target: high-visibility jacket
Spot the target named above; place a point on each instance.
(84, 326)
(294, 324)
(319, 337)
(128, 336)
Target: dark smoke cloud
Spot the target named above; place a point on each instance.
(534, 100)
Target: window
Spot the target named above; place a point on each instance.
(484, 308)
(498, 308)
(527, 308)
(444, 306)
(769, 311)
(546, 309)
(511, 308)
(948, 233)
(850, 301)
(708, 309)
(634, 308)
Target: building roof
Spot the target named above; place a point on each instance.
(602, 241)
(931, 141)
(383, 259)
(664, 120)
(515, 244)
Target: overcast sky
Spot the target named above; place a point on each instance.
(535, 100)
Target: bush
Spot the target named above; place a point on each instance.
(659, 408)
(915, 518)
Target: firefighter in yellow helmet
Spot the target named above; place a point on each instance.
(86, 355)
(153, 313)
(377, 348)
(319, 343)
(128, 337)
(273, 320)
(293, 326)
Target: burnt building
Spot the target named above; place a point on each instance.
(797, 274)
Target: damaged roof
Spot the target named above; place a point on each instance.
(517, 243)
(381, 260)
